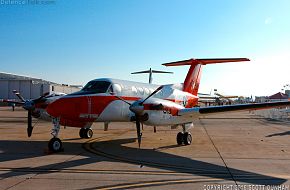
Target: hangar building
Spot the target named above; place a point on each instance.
(29, 87)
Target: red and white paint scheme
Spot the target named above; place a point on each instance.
(112, 100)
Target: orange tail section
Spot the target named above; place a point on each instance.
(192, 80)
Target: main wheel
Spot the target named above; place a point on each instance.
(187, 138)
(179, 138)
(82, 132)
(88, 133)
(55, 145)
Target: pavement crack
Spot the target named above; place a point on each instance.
(220, 155)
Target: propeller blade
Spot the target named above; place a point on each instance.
(41, 97)
(139, 134)
(155, 91)
(30, 104)
(18, 95)
(13, 102)
(123, 100)
(29, 123)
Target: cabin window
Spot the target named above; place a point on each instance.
(146, 90)
(134, 90)
(97, 86)
(141, 91)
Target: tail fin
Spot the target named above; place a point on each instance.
(192, 80)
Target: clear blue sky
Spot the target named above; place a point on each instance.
(76, 41)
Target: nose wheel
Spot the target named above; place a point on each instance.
(86, 133)
(184, 138)
(55, 145)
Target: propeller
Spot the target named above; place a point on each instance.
(29, 105)
(18, 95)
(155, 91)
(137, 108)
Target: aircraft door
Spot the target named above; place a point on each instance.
(122, 106)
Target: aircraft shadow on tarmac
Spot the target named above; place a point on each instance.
(279, 134)
(147, 157)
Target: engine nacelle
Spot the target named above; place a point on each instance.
(161, 112)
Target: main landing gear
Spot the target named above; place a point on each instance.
(184, 137)
(86, 133)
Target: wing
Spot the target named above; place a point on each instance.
(238, 107)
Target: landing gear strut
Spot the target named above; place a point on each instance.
(86, 133)
(55, 144)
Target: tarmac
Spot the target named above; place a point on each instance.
(228, 151)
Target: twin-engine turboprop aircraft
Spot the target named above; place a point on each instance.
(111, 100)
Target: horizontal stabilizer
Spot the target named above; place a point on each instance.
(204, 61)
(152, 71)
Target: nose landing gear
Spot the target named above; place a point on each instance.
(55, 144)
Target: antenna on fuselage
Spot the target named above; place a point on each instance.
(150, 71)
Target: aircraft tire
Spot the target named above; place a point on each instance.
(88, 133)
(82, 132)
(55, 145)
(179, 138)
(187, 138)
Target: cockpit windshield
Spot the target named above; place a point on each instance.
(97, 86)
